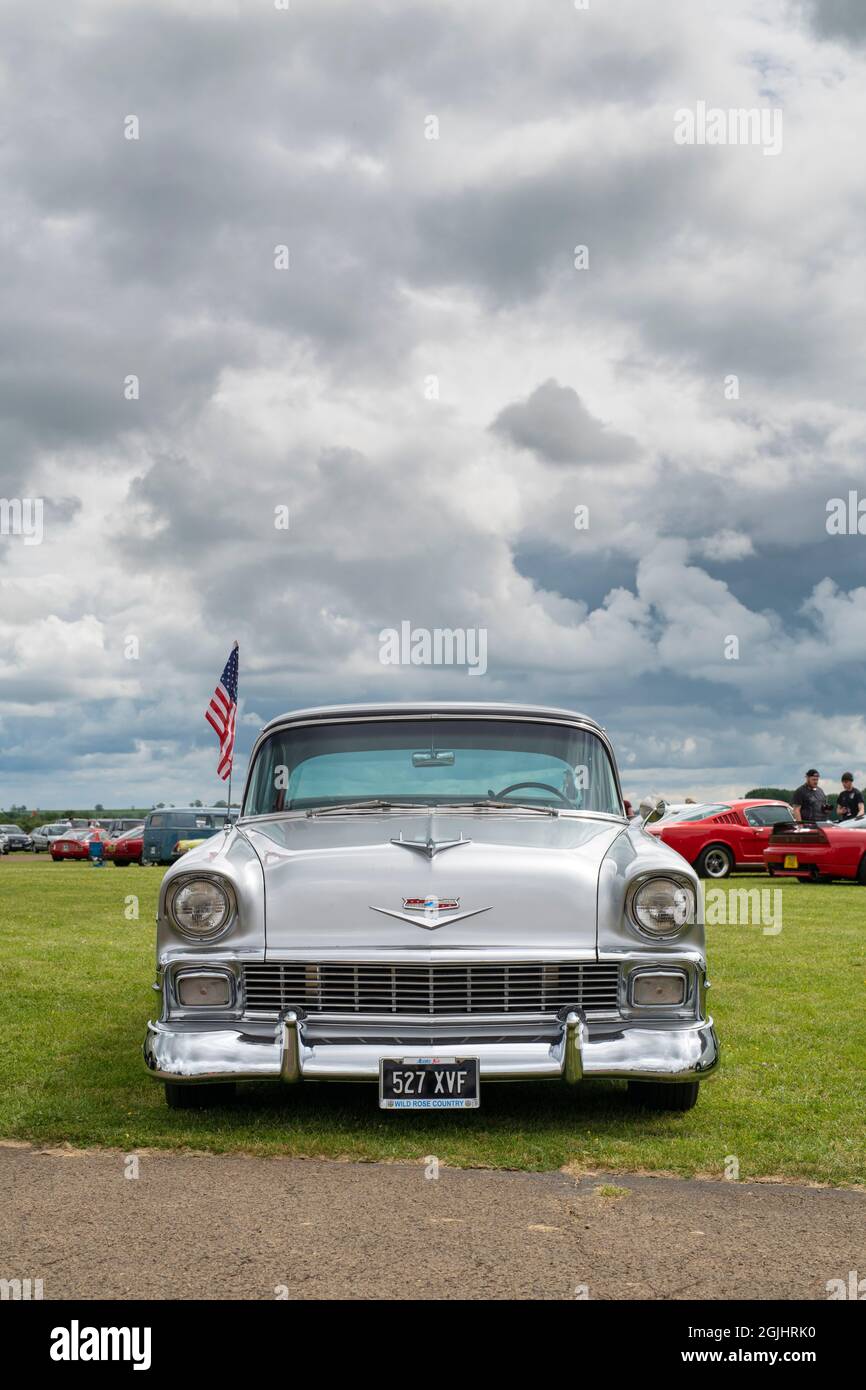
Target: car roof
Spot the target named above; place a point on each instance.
(193, 810)
(422, 709)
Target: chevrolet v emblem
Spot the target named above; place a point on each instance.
(427, 912)
(429, 846)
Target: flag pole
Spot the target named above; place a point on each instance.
(232, 763)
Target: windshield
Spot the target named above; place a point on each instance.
(428, 762)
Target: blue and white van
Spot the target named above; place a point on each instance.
(163, 829)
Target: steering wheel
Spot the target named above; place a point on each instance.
(544, 786)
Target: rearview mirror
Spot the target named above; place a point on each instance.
(431, 758)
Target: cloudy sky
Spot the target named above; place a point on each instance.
(437, 380)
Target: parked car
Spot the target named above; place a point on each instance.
(431, 897)
(818, 852)
(718, 837)
(127, 848)
(122, 824)
(163, 829)
(4, 844)
(42, 837)
(75, 844)
(15, 837)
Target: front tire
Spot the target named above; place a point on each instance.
(716, 861)
(664, 1095)
(184, 1097)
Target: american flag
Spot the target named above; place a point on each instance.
(222, 712)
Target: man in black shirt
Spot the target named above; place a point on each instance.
(849, 802)
(810, 803)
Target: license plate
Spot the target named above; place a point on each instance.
(791, 861)
(429, 1083)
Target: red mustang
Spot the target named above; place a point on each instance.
(127, 848)
(718, 838)
(818, 852)
(74, 844)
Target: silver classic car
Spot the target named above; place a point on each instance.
(430, 897)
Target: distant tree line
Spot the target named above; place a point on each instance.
(29, 819)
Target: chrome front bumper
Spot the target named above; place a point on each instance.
(293, 1050)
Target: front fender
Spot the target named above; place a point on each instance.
(633, 854)
(230, 855)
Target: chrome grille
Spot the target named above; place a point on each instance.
(410, 989)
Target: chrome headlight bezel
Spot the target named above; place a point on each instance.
(223, 886)
(188, 972)
(654, 972)
(680, 883)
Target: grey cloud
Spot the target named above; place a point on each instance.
(838, 19)
(155, 258)
(557, 426)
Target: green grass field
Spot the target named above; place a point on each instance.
(788, 1101)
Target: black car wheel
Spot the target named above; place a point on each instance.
(664, 1095)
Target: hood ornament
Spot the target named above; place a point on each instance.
(427, 912)
(429, 846)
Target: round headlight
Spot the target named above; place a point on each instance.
(201, 907)
(663, 907)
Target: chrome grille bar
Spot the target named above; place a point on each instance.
(406, 988)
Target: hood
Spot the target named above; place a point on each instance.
(528, 883)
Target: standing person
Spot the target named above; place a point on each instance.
(849, 802)
(810, 803)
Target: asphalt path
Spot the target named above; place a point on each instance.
(204, 1226)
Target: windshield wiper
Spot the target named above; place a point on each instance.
(373, 804)
(491, 804)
